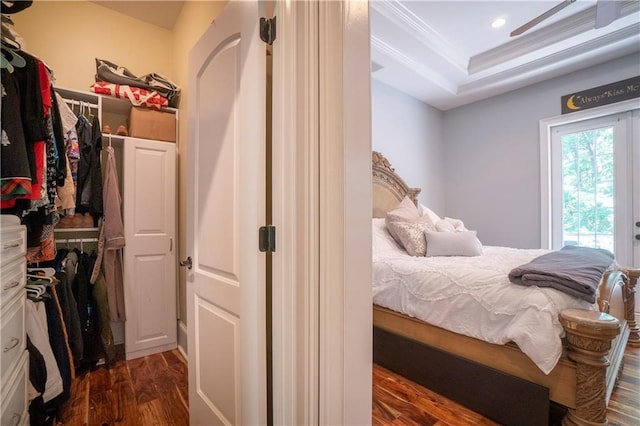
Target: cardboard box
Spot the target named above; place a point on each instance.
(152, 124)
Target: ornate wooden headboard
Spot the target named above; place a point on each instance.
(388, 188)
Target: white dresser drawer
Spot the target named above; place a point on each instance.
(13, 280)
(12, 338)
(14, 409)
(13, 242)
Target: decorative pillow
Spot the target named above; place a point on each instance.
(411, 235)
(450, 225)
(406, 211)
(444, 226)
(462, 243)
(426, 211)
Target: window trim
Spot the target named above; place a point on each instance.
(545, 126)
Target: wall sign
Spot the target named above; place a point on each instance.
(602, 95)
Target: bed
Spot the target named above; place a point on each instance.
(500, 380)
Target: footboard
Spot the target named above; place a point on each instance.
(596, 343)
(629, 296)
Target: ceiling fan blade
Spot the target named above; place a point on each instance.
(535, 21)
(607, 12)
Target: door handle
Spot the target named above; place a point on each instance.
(187, 262)
(637, 236)
(638, 224)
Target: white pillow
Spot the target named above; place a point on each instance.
(424, 210)
(463, 243)
(380, 238)
(450, 225)
(444, 226)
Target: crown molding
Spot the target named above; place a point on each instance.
(572, 26)
(557, 57)
(405, 19)
(425, 72)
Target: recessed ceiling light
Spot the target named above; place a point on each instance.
(498, 22)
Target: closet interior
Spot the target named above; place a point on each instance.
(88, 236)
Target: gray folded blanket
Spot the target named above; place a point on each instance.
(574, 270)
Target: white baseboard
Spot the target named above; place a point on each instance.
(182, 338)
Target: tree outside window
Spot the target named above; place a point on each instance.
(588, 188)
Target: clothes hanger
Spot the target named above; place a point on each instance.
(5, 64)
(15, 59)
(41, 272)
(37, 293)
(39, 279)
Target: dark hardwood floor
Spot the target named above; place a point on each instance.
(399, 401)
(153, 391)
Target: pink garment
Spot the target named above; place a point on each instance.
(111, 241)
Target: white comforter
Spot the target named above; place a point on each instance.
(473, 296)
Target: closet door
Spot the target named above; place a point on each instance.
(149, 183)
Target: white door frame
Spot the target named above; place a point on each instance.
(295, 214)
(322, 324)
(545, 155)
(345, 213)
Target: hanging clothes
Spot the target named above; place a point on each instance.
(111, 241)
(37, 382)
(65, 273)
(90, 324)
(66, 196)
(38, 332)
(102, 310)
(59, 347)
(21, 133)
(16, 173)
(89, 185)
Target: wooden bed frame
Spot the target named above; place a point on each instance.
(583, 379)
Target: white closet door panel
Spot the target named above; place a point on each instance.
(150, 264)
(151, 207)
(153, 326)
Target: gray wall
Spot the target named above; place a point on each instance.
(492, 159)
(410, 134)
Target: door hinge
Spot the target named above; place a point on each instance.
(268, 30)
(267, 239)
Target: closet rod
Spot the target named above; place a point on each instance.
(76, 240)
(74, 102)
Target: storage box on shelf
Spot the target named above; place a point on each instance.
(150, 124)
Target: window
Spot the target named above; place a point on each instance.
(589, 192)
(587, 186)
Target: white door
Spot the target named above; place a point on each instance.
(595, 167)
(593, 188)
(226, 207)
(589, 185)
(149, 256)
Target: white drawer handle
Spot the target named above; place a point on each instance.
(16, 419)
(12, 344)
(10, 246)
(11, 285)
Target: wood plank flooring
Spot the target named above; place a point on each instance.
(153, 391)
(399, 401)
